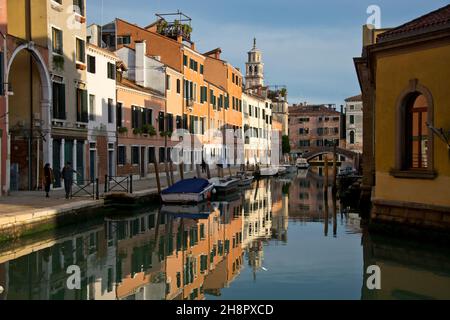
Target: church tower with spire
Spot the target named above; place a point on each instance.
(254, 68)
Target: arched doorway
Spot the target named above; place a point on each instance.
(29, 116)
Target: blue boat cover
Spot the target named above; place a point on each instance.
(187, 186)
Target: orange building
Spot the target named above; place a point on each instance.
(199, 71)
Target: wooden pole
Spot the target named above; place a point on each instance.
(158, 181)
(325, 185)
(166, 168)
(181, 171)
(171, 173)
(334, 215)
(208, 172)
(334, 170)
(198, 169)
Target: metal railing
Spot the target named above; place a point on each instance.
(82, 188)
(119, 183)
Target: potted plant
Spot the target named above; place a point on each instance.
(137, 131)
(122, 130)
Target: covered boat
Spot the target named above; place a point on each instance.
(188, 191)
(268, 172)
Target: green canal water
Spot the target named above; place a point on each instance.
(279, 239)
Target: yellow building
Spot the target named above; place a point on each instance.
(46, 72)
(403, 74)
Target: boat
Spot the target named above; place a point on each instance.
(282, 170)
(224, 185)
(198, 211)
(302, 163)
(188, 191)
(244, 179)
(289, 168)
(268, 171)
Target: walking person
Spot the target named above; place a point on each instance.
(203, 166)
(48, 179)
(67, 174)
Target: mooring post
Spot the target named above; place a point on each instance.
(166, 169)
(326, 174)
(208, 172)
(131, 183)
(106, 183)
(181, 168)
(158, 181)
(334, 170)
(171, 173)
(97, 193)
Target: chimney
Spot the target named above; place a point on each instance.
(193, 46)
(180, 39)
(141, 50)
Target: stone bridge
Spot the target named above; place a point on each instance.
(315, 152)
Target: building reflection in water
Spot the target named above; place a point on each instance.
(190, 253)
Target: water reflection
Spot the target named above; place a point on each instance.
(235, 247)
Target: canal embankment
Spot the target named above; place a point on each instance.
(28, 213)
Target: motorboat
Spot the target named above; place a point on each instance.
(282, 170)
(302, 163)
(244, 179)
(268, 171)
(188, 191)
(225, 185)
(289, 168)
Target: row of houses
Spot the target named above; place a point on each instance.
(109, 98)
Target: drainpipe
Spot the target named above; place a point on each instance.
(6, 119)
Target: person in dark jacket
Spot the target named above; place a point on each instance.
(48, 179)
(67, 174)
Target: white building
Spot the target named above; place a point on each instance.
(102, 138)
(257, 123)
(354, 123)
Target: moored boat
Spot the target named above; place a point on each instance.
(268, 171)
(224, 185)
(188, 191)
(302, 163)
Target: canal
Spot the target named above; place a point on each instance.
(280, 239)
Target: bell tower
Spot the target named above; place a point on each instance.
(254, 68)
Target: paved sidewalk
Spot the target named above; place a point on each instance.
(26, 202)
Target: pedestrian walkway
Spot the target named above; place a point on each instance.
(26, 202)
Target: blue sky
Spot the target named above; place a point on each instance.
(308, 45)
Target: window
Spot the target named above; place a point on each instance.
(203, 94)
(170, 122)
(81, 51)
(82, 106)
(110, 111)
(185, 60)
(136, 118)
(123, 40)
(161, 121)
(179, 124)
(78, 7)
(57, 41)
(119, 115)
(352, 119)
(178, 86)
(91, 64)
(168, 82)
(202, 69)
(121, 155)
(111, 71)
(59, 101)
(134, 155)
(151, 155)
(91, 107)
(416, 135)
(162, 155)
(352, 137)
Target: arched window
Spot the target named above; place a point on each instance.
(256, 69)
(416, 132)
(352, 137)
(250, 70)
